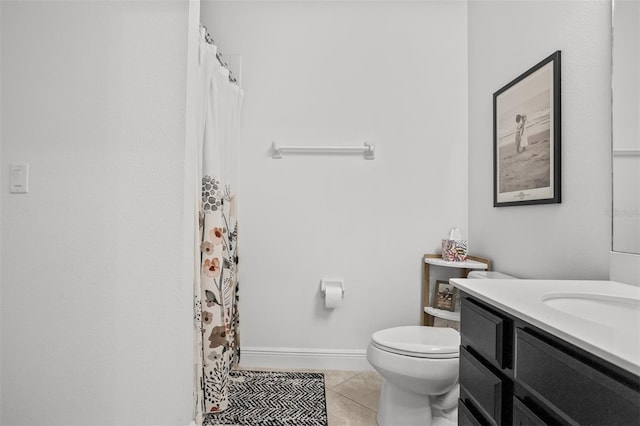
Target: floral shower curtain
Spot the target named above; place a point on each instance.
(216, 284)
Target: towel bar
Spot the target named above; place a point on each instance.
(626, 152)
(367, 150)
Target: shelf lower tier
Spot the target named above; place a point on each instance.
(440, 313)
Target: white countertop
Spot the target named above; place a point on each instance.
(619, 344)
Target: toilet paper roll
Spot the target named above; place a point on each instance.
(332, 296)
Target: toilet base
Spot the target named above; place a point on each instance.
(400, 407)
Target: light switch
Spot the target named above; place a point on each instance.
(19, 178)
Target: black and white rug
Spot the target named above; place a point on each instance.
(269, 398)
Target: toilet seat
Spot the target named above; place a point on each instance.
(418, 341)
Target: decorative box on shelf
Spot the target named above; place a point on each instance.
(455, 250)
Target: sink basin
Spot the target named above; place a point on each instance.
(603, 309)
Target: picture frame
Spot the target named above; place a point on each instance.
(445, 296)
(526, 137)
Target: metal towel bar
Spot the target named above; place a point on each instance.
(367, 150)
(626, 152)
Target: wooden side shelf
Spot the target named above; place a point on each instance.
(472, 262)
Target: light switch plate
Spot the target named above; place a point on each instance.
(19, 178)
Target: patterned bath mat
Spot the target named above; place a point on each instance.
(269, 398)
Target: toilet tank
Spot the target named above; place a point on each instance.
(490, 274)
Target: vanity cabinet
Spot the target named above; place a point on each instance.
(512, 373)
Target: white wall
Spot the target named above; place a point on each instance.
(572, 239)
(96, 318)
(341, 73)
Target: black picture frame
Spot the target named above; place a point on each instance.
(445, 296)
(526, 115)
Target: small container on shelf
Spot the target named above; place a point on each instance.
(455, 250)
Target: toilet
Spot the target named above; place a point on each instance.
(419, 369)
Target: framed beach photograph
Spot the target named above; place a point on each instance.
(445, 296)
(526, 137)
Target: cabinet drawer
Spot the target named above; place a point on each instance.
(573, 389)
(485, 331)
(523, 416)
(483, 387)
(466, 417)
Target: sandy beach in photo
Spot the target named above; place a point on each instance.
(527, 169)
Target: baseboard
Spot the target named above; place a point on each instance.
(302, 358)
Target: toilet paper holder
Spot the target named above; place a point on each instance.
(331, 283)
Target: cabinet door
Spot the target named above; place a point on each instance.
(485, 332)
(466, 416)
(523, 416)
(576, 390)
(485, 388)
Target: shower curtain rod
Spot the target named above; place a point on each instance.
(209, 39)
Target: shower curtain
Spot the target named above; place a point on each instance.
(216, 248)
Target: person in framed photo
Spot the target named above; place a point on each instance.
(518, 132)
(524, 134)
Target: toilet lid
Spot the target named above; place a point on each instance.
(419, 341)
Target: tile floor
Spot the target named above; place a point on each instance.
(352, 396)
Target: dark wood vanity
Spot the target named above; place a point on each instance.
(512, 373)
